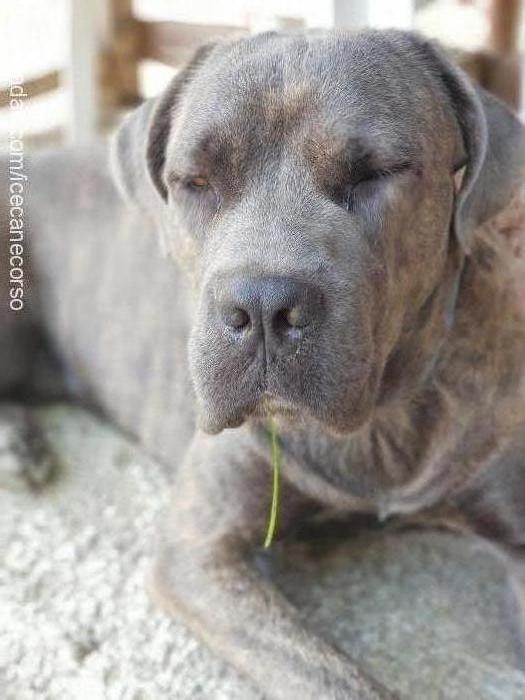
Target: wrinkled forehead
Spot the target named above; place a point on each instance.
(335, 94)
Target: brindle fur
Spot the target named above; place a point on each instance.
(408, 398)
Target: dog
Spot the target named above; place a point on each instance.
(323, 228)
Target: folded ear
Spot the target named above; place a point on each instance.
(138, 149)
(128, 156)
(493, 159)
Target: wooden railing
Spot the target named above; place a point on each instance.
(132, 40)
(34, 87)
(173, 43)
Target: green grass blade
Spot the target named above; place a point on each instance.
(272, 519)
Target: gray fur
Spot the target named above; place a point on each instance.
(332, 160)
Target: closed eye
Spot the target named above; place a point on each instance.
(366, 183)
(198, 183)
(194, 192)
(378, 173)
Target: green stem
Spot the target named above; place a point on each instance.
(272, 519)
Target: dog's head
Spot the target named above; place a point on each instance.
(327, 186)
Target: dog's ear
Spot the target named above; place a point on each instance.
(493, 159)
(138, 149)
(128, 156)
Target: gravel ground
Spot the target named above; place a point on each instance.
(425, 612)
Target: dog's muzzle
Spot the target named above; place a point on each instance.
(268, 316)
(255, 337)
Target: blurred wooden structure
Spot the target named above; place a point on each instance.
(108, 42)
(123, 42)
(498, 67)
(105, 48)
(134, 40)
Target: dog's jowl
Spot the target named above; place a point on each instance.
(324, 229)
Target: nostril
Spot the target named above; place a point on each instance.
(236, 318)
(296, 317)
(291, 319)
(272, 310)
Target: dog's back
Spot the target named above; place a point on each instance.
(111, 305)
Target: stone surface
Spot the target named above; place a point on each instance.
(426, 612)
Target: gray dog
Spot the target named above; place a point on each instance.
(345, 212)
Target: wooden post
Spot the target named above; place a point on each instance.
(504, 22)
(81, 73)
(503, 63)
(522, 86)
(120, 56)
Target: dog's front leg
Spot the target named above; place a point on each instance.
(26, 459)
(515, 560)
(204, 574)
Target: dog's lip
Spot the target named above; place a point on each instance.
(232, 416)
(214, 423)
(268, 404)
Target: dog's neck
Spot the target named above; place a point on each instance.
(428, 444)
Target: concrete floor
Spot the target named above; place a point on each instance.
(425, 612)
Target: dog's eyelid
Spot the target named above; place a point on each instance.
(384, 171)
(371, 176)
(195, 182)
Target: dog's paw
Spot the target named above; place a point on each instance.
(25, 460)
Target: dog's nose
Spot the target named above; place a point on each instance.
(280, 308)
